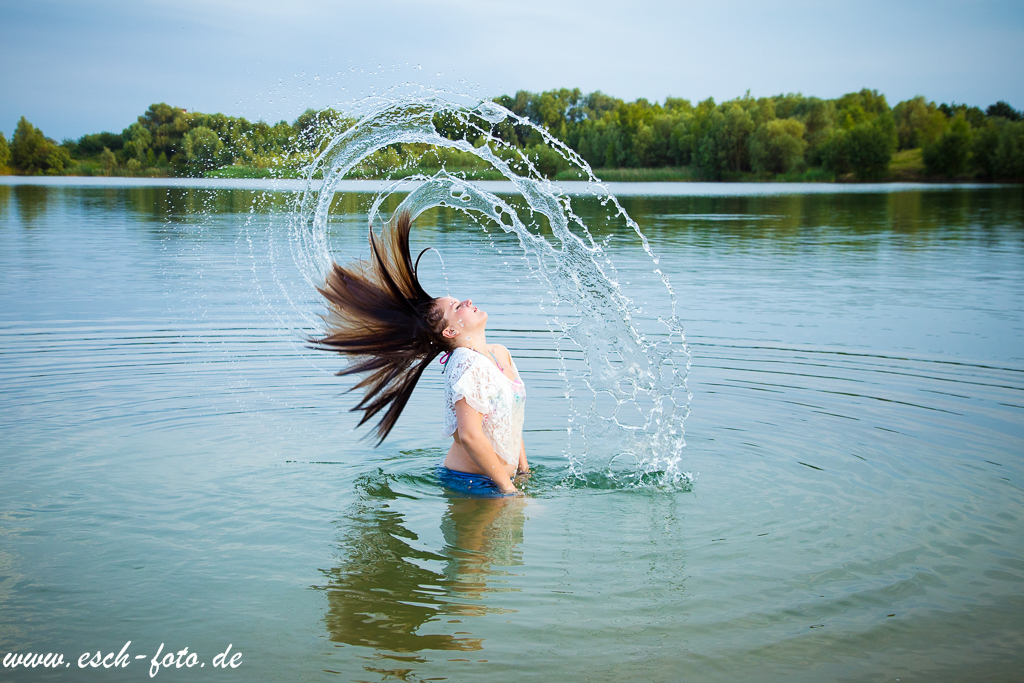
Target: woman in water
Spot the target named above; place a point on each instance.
(380, 316)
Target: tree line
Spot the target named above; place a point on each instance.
(168, 141)
(792, 136)
(787, 137)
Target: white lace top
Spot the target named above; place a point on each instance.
(502, 402)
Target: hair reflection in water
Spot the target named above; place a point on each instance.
(383, 595)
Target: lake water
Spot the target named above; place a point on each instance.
(178, 469)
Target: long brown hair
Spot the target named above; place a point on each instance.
(382, 319)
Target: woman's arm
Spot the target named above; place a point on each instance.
(470, 434)
(524, 466)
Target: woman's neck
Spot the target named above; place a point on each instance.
(476, 341)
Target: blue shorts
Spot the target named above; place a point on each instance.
(471, 484)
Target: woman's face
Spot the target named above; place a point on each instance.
(461, 316)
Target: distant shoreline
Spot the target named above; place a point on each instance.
(564, 134)
(620, 189)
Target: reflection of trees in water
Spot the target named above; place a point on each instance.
(32, 202)
(919, 218)
(383, 591)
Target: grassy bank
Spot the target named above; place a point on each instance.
(907, 165)
(251, 172)
(636, 175)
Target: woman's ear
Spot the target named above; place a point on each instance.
(450, 332)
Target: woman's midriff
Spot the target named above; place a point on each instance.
(458, 459)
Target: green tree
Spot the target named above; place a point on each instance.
(869, 102)
(865, 149)
(109, 161)
(974, 115)
(719, 139)
(638, 144)
(1010, 152)
(948, 155)
(5, 152)
(680, 143)
(592, 143)
(167, 125)
(918, 123)
(548, 161)
(819, 119)
(998, 150)
(983, 148)
(777, 146)
(57, 160)
(678, 106)
(556, 110)
(92, 145)
(788, 106)
(645, 149)
(661, 130)
(1004, 110)
(33, 153)
(762, 110)
(520, 105)
(137, 141)
(733, 137)
(201, 147)
(701, 140)
(314, 129)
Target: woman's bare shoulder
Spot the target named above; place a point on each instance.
(500, 351)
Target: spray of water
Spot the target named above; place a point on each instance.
(628, 400)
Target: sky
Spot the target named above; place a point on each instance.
(79, 66)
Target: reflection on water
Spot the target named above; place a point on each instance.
(915, 216)
(915, 213)
(31, 203)
(482, 536)
(386, 593)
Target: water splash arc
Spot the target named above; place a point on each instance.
(621, 364)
